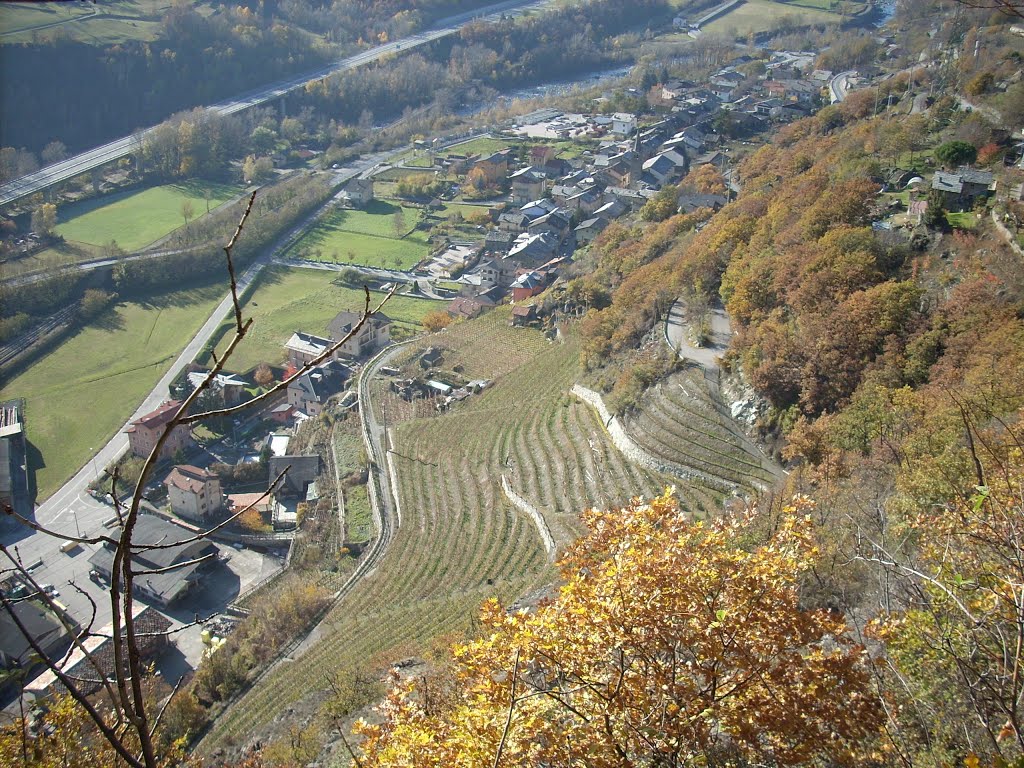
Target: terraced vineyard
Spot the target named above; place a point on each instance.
(460, 539)
(680, 422)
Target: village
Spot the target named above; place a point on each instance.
(539, 207)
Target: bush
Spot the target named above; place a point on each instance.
(435, 321)
(956, 153)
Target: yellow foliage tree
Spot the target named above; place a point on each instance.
(957, 643)
(65, 737)
(671, 643)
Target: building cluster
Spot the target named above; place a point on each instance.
(557, 205)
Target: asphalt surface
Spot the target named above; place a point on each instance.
(114, 150)
(839, 86)
(707, 356)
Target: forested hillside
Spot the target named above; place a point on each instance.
(202, 54)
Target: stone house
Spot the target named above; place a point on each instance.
(375, 333)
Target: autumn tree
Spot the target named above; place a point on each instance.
(706, 179)
(435, 321)
(187, 210)
(953, 634)
(263, 375)
(53, 152)
(670, 643)
(44, 219)
(662, 205)
(64, 737)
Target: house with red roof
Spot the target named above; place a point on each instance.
(143, 433)
(193, 493)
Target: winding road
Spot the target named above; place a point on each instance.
(839, 86)
(114, 150)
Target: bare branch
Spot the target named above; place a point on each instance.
(109, 733)
(160, 714)
(77, 639)
(34, 526)
(239, 330)
(175, 566)
(511, 709)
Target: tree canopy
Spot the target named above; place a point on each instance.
(670, 642)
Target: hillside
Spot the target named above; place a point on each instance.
(732, 476)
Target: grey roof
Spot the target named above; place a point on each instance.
(344, 321)
(321, 382)
(595, 224)
(302, 470)
(153, 531)
(39, 621)
(691, 202)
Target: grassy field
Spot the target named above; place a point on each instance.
(112, 21)
(60, 255)
(81, 393)
(464, 208)
(835, 6)
(289, 300)
(963, 220)
(365, 237)
(482, 145)
(136, 219)
(20, 17)
(763, 15)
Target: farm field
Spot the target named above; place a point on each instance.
(105, 369)
(136, 219)
(763, 15)
(679, 422)
(112, 22)
(460, 540)
(365, 237)
(287, 300)
(552, 449)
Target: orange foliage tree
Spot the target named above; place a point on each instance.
(671, 643)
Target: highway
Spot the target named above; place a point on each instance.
(114, 150)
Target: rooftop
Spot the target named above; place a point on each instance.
(160, 416)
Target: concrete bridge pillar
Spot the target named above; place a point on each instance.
(96, 176)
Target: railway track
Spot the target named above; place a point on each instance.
(26, 340)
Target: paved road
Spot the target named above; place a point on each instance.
(114, 150)
(707, 356)
(839, 86)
